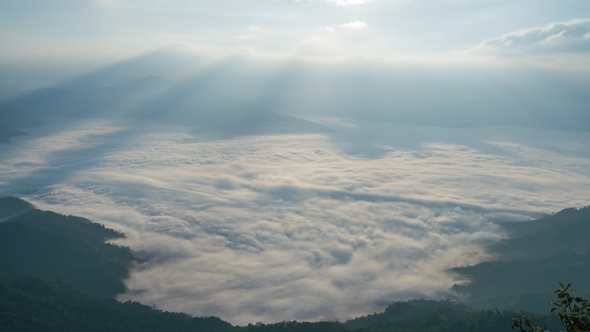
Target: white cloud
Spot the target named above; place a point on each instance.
(356, 25)
(558, 37)
(347, 3)
(281, 228)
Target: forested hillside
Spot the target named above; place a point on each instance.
(65, 248)
(537, 255)
(58, 274)
(32, 304)
(12, 206)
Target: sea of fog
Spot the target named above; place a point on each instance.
(298, 227)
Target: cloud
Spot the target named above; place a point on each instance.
(347, 3)
(356, 25)
(272, 228)
(560, 37)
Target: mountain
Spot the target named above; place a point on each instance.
(70, 249)
(260, 122)
(57, 273)
(33, 304)
(12, 206)
(423, 315)
(76, 102)
(534, 259)
(154, 99)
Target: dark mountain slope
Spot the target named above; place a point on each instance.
(537, 256)
(422, 315)
(12, 206)
(32, 304)
(563, 233)
(70, 249)
(58, 274)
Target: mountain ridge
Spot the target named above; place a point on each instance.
(537, 255)
(169, 102)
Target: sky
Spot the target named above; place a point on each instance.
(525, 61)
(45, 42)
(100, 30)
(446, 116)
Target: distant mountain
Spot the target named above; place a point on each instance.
(538, 255)
(158, 63)
(157, 100)
(259, 122)
(72, 102)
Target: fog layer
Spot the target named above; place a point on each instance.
(271, 228)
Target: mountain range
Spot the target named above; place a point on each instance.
(151, 100)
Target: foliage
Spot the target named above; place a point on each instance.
(32, 304)
(61, 275)
(573, 312)
(66, 248)
(438, 316)
(299, 327)
(12, 206)
(536, 254)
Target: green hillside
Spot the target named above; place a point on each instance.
(538, 255)
(32, 304)
(12, 206)
(57, 273)
(69, 249)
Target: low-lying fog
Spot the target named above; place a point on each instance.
(298, 227)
